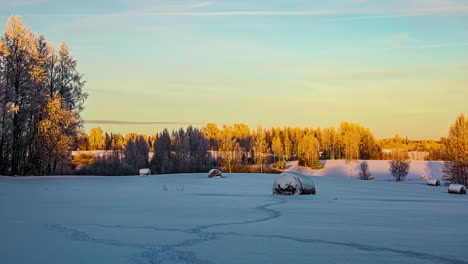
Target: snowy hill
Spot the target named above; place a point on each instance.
(378, 168)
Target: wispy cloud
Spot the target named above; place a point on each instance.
(376, 12)
(116, 122)
(6, 5)
(352, 11)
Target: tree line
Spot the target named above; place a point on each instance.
(238, 148)
(182, 151)
(41, 99)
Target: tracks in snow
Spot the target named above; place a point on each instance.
(273, 214)
(157, 254)
(363, 247)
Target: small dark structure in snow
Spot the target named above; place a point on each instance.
(289, 183)
(145, 172)
(433, 182)
(457, 189)
(214, 173)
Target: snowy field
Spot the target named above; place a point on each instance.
(230, 220)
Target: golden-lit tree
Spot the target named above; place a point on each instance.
(308, 152)
(350, 140)
(96, 139)
(229, 148)
(26, 82)
(287, 147)
(118, 141)
(212, 134)
(456, 146)
(278, 150)
(260, 149)
(53, 131)
(20, 67)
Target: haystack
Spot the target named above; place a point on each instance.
(457, 189)
(290, 183)
(433, 182)
(145, 172)
(214, 173)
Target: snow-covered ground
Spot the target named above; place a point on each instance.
(228, 220)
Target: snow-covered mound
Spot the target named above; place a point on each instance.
(378, 168)
(289, 183)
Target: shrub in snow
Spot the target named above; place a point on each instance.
(288, 183)
(83, 159)
(145, 172)
(433, 182)
(364, 173)
(214, 173)
(457, 189)
(455, 172)
(280, 165)
(399, 165)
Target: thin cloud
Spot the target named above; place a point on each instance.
(352, 11)
(385, 13)
(115, 122)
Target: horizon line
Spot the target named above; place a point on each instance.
(117, 122)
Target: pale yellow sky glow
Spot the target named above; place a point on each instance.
(393, 66)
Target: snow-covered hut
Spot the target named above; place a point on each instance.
(290, 183)
(145, 172)
(214, 173)
(457, 189)
(433, 182)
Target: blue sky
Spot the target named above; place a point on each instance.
(394, 66)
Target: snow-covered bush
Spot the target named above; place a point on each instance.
(399, 165)
(364, 173)
(289, 183)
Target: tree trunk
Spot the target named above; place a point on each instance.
(15, 146)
